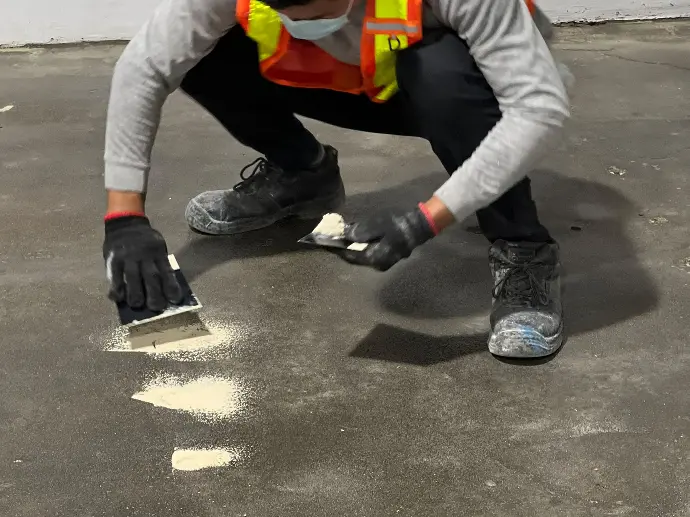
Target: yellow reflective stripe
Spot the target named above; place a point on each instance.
(264, 27)
(391, 9)
(387, 92)
(385, 57)
(384, 48)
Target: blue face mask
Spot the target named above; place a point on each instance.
(314, 29)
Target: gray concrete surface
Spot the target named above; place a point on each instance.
(368, 394)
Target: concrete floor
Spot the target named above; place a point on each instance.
(367, 394)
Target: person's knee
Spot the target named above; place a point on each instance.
(231, 66)
(453, 105)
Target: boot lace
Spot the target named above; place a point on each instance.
(255, 174)
(523, 285)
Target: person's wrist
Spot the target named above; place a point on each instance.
(125, 204)
(125, 221)
(111, 216)
(437, 214)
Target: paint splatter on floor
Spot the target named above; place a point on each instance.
(208, 398)
(198, 459)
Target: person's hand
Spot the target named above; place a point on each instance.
(392, 236)
(137, 265)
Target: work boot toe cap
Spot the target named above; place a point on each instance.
(525, 336)
(226, 212)
(207, 211)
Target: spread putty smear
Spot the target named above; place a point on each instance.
(207, 398)
(200, 339)
(198, 459)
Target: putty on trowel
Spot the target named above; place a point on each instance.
(330, 233)
(130, 317)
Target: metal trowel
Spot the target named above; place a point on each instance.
(329, 241)
(332, 240)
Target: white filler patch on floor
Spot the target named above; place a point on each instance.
(194, 339)
(208, 398)
(198, 459)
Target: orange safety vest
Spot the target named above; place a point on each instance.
(389, 26)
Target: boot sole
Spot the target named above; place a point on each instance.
(201, 222)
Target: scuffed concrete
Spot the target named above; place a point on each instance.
(367, 394)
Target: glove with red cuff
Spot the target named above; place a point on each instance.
(137, 265)
(392, 236)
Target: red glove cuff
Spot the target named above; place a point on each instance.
(118, 215)
(429, 219)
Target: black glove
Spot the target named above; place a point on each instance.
(392, 237)
(138, 269)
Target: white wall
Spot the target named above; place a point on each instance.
(58, 21)
(593, 10)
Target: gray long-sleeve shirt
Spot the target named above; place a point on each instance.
(502, 37)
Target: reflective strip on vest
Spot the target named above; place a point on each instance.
(390, 28)
(264, 27)
(392, 31)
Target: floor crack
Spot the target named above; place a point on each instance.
(661, 63)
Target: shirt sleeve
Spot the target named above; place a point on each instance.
(178, 35)
(517, 63)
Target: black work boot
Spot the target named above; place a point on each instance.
(526, 316)
(268, 194)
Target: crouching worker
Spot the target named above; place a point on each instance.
(474, 77)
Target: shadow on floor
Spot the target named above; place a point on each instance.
(203, 253)
(398, 345)
(393, 344)
(604, 282)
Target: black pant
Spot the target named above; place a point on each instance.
(443, 98)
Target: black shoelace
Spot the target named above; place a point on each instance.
(523, 285)
(260, 172)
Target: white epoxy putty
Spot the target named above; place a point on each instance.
(199, 340)
(332, 225)
(208, 398)
(198, 459)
